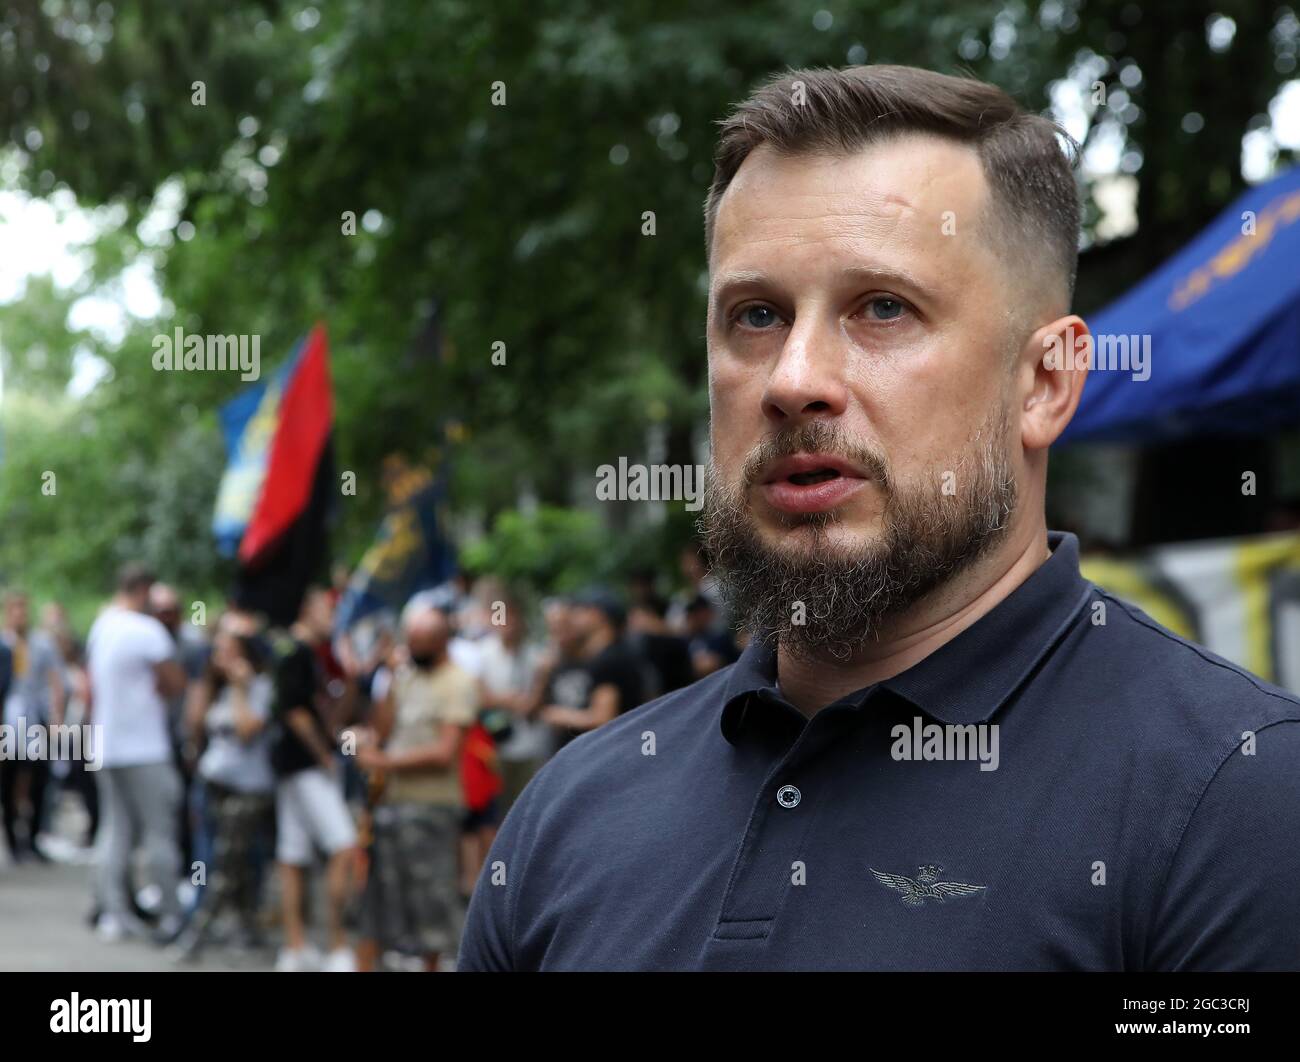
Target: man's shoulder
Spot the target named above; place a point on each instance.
(123, 622)
(291, 662)
(1176, 671)
(492, 649)
(284, 646)
(44, 646)
(458, 676)
(618, 654)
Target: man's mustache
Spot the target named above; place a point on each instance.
(816, 437)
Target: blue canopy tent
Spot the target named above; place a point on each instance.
(1223, 317)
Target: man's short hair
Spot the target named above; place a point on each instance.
(654, 604)
(134, 577)
(421, 610)
(604, 601)
(1027, 159)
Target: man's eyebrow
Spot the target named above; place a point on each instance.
(889, 276)
(738, 279)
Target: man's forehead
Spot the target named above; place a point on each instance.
(912, 190)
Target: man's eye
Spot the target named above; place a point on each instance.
(885, 308)
(757, 316)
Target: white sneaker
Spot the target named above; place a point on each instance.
(57, 849)
(340, 960)
(112, 929)
(149, 898)
(297, 960)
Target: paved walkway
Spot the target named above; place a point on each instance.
(43, 927)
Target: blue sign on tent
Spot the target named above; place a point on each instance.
(1221, 322)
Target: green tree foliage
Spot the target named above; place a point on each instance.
(524, 221)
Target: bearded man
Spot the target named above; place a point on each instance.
(891, 259)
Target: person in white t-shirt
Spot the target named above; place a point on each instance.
(507, 669)
(133, 670)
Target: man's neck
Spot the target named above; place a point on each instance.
(811, 684)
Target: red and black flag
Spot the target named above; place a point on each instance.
(276, 498)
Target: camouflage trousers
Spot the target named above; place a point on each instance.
(242, 822)
(412, 902)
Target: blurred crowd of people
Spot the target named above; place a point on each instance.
(337, 790)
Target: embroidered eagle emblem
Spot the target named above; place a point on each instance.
(925, 886)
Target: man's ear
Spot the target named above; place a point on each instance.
(1053, 368)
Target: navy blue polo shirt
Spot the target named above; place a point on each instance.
(1140, 810)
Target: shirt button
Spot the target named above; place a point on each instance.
(788, 796)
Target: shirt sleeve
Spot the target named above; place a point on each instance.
(156, 643)
(259, 697)
(1231, 900)
(612, 671)
(488, 943)
(380, 684)
(291, 690)
(46, 657)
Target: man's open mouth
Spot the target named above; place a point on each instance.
(808, 470)
(806, 479)
(811, 483)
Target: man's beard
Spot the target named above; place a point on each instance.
(825, 600)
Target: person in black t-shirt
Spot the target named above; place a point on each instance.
(563, 679)
(711, 645)
(305, 742)
(666, 653)
(608, 680)
(310, 813)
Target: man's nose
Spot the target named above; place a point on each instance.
(808, 380)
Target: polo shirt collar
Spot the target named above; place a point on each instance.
(967, 678)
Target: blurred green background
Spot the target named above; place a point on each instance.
(521, 223)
